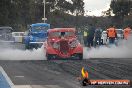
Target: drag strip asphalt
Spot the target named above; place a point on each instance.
(64, 73)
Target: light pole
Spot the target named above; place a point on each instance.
(44, 11)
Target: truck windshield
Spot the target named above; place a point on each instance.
(40, 28)
(119, 31)
(104, 33)
(58, 34)
(5, 31)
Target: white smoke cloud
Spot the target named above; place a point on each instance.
(17, 54)
(123, 50)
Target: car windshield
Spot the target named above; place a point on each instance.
(119, 31)
(58, 34)
(40, 28)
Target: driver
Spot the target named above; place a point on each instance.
(62, 34)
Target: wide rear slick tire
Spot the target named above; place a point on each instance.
(27, 47)
(50, 57)
(80, 56)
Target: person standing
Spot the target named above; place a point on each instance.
(127, 32)
(90, 36)
(80, 35)
(85, 37)
(111, 34)
(97, 36)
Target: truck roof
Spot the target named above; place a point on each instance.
(40, 24)
(119, 29)
(104, 31)
(8, 28)
(62, 30)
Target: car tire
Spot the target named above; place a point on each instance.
(80, 56)
(49, 57)
(27, 47)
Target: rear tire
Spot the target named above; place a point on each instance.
(27, 47)
(49, 56)
(80, 56)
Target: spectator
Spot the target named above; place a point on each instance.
(85, 34)
(90, 36)
(127, 32)
(111, 34)
(97, 36)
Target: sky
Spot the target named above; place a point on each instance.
(95, 7)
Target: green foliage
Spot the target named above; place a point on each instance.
(78, 6)
(121, 7)
(20, 13)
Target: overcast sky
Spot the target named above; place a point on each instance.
(95, 7)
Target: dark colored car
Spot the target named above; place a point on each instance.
(6, 33)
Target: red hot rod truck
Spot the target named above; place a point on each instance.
(62, 43)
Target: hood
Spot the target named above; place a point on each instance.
(39, 34)
(61, 39)
(37, 39)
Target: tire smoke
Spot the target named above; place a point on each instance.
(123, 50)
(18, 54)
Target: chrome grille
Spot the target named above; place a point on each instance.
(64, 47)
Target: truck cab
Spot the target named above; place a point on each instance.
(5, 33)
(36, 35)
(119, 33)
(104, 38)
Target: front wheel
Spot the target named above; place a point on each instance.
(27, 46)
(48, 56)
(80, 56)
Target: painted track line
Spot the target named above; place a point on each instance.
(21, 86)
(6, 77)
(24, 86)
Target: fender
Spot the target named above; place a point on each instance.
(78, 49)
(26, 40)
(50, 50)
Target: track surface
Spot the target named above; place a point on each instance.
(63, 73)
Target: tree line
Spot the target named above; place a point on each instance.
(122, 10)
(62, 13)
(19, 13)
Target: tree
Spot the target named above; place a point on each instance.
(5, 7)
(121, 7)
(78, 7)
(107, 13)
(20, 13)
